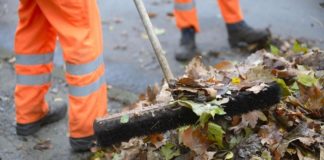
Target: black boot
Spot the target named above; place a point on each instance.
(57, 111)
(242, 35)
(187, 49)
(82, 144)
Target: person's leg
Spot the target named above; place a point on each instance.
(187, 21)
(185, 13)
(240, 34)
(231, 11)
(34, 46)
(79, 28)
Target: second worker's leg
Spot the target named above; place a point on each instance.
(240, 34)
(187, 21)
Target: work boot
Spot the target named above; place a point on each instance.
(57, 110)
(241, 35)
(187, 49)
(82, 144)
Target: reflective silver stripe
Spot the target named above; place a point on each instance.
(88, 89)
(33, 79)
(34, 59)
(185, 6)
(84, 68)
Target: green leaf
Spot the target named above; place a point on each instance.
(217, 111)
(266, 155)
(124, 119)
(248, 131)
(229, 155)
(203, 119)
(117, 157)
(235, 140)
(294, 87)
(98, 155)
(307, 80)
(283, 87)
(200, 108)
(169, 151)
(205, 110)
(215, 133)
(274, 50)
(297, 48)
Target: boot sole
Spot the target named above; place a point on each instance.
(26, 130)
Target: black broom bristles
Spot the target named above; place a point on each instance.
(110, 131)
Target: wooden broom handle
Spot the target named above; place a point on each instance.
(159, 52)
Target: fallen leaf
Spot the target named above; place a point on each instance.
(225, 66)
(157, 140)
(307, 80)
(196, 69)
(321, 153)
(249, 119)
(157, 31)
(236, 80)
(194, 139)
(283, 87)
(152, 92)
(274, 50)
(169, 151)
(43, 145)
(152, 14)
(258, 88)
(297, 48)
(170, 14)
(266, 155)
(124, 119)
(270, 134)
(185, 81)
(229, 155)
(215, 133)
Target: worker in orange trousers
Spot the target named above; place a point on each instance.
(77, 25)
(239, 33)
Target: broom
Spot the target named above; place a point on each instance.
(157, 119)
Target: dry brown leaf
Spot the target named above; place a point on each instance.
(249, 119)
(164, 96)
(43, 145)
(312, 97)
(185, 81)
(170, 14)
(225, 66)
(152, 93)
(152, 14)
(270, 134)
(194, 139)
(196, 69)
(258, 88)
(157, 140)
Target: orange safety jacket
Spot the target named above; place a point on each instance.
(77, 25)
(186, 14)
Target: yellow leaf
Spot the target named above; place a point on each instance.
(236, 80)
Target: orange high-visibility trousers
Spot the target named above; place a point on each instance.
(78, 27)
(186, 14)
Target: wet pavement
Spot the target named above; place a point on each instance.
(129, 58)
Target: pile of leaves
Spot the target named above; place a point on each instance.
(292, 129)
